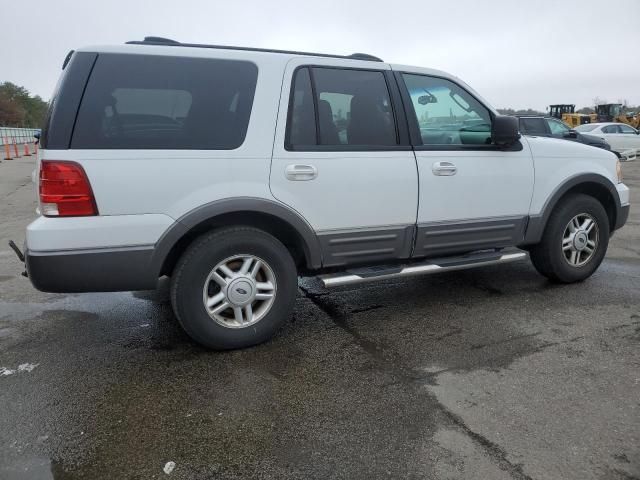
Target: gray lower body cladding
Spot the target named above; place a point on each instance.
(100, 270)
(135, 268)
(447, 238)
(622, 217)
(535, 229)
(379, 245)
(349, 247)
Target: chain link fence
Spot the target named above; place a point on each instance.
(10, 135)
(17, 142)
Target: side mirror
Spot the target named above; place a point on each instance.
(570, 134)
(505, 130)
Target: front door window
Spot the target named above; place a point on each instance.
(446, 113)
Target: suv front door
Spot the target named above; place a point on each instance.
(473, 195)
(343, 160)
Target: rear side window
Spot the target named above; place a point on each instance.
(353, 107)
(154, 102)
(303, 123)
(338, 107)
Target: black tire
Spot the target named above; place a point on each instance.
(548, 256)
(195, 265)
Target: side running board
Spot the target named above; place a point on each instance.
(433, 265)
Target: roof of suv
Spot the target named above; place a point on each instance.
(173, 43)
(159, 45)
(155, 45)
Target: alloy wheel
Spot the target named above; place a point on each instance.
(580, 240)
(239, 291)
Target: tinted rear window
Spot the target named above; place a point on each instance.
(154, 102)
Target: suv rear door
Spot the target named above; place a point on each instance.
(342, 159)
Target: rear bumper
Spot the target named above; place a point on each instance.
(100, 270)
(94, 254)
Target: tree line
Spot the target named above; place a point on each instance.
(18, 108)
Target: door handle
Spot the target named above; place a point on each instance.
(444, 169)
(300, 172)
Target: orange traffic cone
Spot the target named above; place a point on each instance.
(15, 147)
(7, 151)
(26, 150)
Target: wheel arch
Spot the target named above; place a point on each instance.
(594, 185)
(276, 219)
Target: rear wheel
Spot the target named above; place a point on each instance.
(574, 242)
(234, 288)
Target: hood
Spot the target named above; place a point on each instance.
(560, 148)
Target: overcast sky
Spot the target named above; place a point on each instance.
(515, 53)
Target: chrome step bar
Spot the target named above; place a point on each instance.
(446, 264)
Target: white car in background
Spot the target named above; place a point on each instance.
(623, 138)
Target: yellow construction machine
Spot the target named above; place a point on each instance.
(566, 113)
(616, 112)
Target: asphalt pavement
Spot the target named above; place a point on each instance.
(491, 373)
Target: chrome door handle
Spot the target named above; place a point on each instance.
(300, 172)
(444, 169)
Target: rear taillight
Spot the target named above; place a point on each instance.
(65, 190)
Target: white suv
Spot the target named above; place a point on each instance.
(234, 170)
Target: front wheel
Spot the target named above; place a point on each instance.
(234, 288)
(574, 242)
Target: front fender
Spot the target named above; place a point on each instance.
(538, 222)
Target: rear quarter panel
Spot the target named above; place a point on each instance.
(174, 182)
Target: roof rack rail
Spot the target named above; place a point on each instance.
(364, 56)
(174, 43)
(162, 40)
